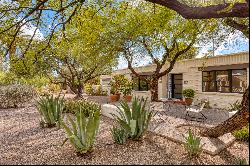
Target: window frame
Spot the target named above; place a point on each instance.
(230, 77)
(139, 83)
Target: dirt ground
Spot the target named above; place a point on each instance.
(23, 141)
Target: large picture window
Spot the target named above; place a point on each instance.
(225, 81)
(140, 84)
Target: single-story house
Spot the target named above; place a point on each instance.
(221, 79)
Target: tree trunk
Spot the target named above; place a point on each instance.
(154, 89)
(79, 91)
(237, 121)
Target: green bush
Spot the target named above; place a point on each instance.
(241, 161)
(82, 133)
(242, 134)
(188, 93)
(235, 106)
(13, 96)
(88, 89)
(50, 109)
(72, 106)
(193, 145)
(119, 135)
(134, 120)
(127, 87)
(117, 83)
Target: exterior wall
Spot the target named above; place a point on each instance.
(193, 77)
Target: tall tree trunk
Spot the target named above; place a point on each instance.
(79, 91)
(237, 121)
(154, 89)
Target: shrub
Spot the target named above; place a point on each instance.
(134, 120)
(82, 133)
(127, 88)
(242, 134)
(50, 108)
(188, 93)
(241, 161)
(54, 88)
(193, 145)
(88, 89)
(235, 106)
(119, 135)
(72, 106)
(13, 96)
(117, 83)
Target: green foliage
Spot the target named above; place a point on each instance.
(95, 92)
(188, 93)
(117, 83)
(88, 89)
(82, 133)
(193, 145)
(127, 87)
(87, 107)
(119, 135)
(241, 161)
(235, 106)
(50, 109)
(242, 134)
(12, 96)
(134, 120)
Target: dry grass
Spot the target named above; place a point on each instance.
(22, 141)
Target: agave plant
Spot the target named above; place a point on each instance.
(193, 144)
(119, 135)
(50, 108)
(83, 131)
(134, 120)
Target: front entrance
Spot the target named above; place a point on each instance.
(177, 86)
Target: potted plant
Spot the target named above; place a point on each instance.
(127, 91)
(116, 84)
(188, 95)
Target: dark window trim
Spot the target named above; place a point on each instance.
(230, 78)
(139, 83)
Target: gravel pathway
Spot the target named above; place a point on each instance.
(22, 141)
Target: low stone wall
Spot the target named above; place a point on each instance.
(218, 100)
(108, 110)
(99, 99)
(144, 94)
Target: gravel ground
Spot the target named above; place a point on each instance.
(22, 141)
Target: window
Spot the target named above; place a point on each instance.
(222, 81)
(225, 81)
(239, 81)
(209, 81)
(140, 84)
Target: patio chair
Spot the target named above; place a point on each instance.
(196, 111)
(232, 113)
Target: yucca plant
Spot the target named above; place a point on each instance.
(134, 120)
(50, 108)
(193, 145)
(119, 135)
(82, 133)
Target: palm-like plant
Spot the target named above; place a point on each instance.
(50, 108)
(134, 120)
(193, 145)
(83, 131)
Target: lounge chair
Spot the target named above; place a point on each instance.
(196, 111)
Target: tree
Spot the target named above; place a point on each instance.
(227, 11)
(83, 55)
(157, 35)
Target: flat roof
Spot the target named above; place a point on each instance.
(184, 60)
